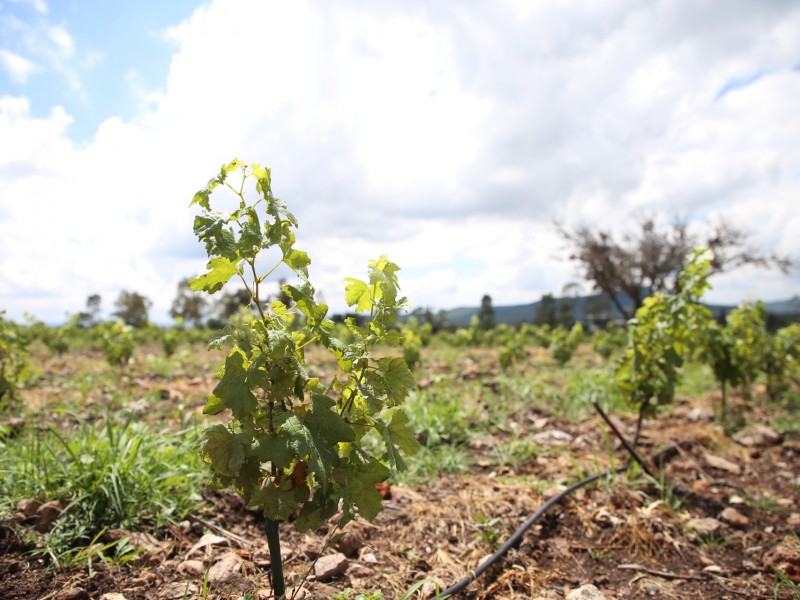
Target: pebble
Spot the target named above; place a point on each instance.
(723, 464)
(330, 566)
(704, 526)
(586, 592)
(734, 517)
(226, 567)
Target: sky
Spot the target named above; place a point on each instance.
(448, 136)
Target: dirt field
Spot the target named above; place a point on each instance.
(721, 518)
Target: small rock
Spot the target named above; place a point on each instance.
(737, 500)
(717, 462)
(226, 567)
(431, 588)
(551, 438)
(330, 566)
(785, 559)
(369, 557)
(311, 548)
(113, 596)
(734, 517)
(177, 590)
(757, 436)
(47, 513)
(29, 507)
(713, 569)
(192, 567)
(349, 545)
(704, 526)
(360, 571)
(586, 592)
(72, 593)
(700, 413)
(146, 578)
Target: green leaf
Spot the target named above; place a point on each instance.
(214, 405)
(358, 294)
(302, 444)
(304, 299)
(401, 432)
(279, 502)
(326, 423)
(222, 450)
(298, 261)
(233, 388)
(316, 512)
(275, 448)
(202, 198)
(232, 166)
(360, 489)
(220, 272)
(217, 235)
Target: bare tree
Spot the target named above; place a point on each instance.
(650, 259)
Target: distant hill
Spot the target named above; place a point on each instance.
(783, 310)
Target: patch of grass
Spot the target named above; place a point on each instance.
(515, 452)
(107, 474)
(437, 418)
(581, 387)
(697, 380)
(429, 463)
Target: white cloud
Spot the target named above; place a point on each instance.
(62, 41)
(18, 67)
(446, 136)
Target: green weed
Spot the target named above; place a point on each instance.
(108, 474)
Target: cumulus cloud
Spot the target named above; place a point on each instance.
(448, 136)
(18, 67)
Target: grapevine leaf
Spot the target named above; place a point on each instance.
(398, 377)
(221, 270)
(357, 293)
(275, 448)
(304, 299)
(279, 502)
(222, 450)
(401, 432)
(202, 198)
(232, 166)
(298, 261)
(233, 388)
(281, 343)
(214, 405)
(326, 422)
(302, 444)
(217, 236)
(316, 512)
(383, 273)
(360, 490)
(250, 239)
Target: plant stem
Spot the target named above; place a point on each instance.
(275, 560)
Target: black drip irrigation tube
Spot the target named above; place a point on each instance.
(516, 538)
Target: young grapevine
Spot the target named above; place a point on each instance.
(294, 445)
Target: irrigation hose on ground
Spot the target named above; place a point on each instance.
(516, 538)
